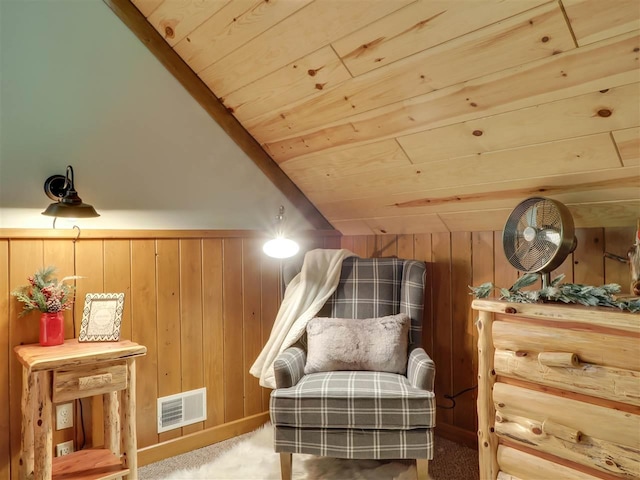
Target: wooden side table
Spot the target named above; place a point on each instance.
(67, 372)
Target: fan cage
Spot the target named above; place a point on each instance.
(538, 235)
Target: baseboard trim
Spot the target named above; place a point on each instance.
(177, 446)
(457, 434)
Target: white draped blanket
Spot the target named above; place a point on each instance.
(304, 297)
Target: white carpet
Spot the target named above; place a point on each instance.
(254, 459)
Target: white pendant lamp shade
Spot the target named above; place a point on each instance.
(280, 246)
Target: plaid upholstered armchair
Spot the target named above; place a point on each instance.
(364, 414)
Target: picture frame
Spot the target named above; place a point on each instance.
(101, 317)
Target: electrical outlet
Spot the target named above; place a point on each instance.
(64, 416)
(64, 448)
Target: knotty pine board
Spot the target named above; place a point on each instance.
(305, 77)
(233, 336)
(419, 26)
(606, 64)
(117, 277)
(463, 331)
(595, 112)
(534, 35)
(562, 157)
(306, 30)
(628, 143)
(251, 322)
(176, 20)
(147, 7)
(144, 332)
(213, 329)
(595, 20)
(235, 25)
(191, 319)
(168, 296)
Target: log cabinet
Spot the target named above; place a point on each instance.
(76, 370)
(558, 391)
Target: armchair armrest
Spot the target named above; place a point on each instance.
(288, 368)
(421, 371)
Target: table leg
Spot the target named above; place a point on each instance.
(43, 445)
(111, 422)
(130, 440)
(26, 440)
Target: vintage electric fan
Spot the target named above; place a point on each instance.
(538, 236)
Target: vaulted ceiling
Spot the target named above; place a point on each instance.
(409, 116)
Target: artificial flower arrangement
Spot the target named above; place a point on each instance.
(45, 293)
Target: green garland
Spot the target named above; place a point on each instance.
(559, 292)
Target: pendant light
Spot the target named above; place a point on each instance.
(280, 246)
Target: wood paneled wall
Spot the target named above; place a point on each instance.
(203, 304)
(459, 259)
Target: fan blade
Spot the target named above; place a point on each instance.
(551, 235)
(518, 251)
(531, 215)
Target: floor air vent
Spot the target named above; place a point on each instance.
(182, 409)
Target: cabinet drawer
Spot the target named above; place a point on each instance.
(611, 383)
(89, 380)
(592, 435)
(524, 466)
(618, 351)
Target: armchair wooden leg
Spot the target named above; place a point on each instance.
(422, 468)
(285, 466)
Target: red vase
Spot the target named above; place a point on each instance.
(51, 329)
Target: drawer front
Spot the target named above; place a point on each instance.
(595, 364)
(592, 435)
(610, 383)
(618, 351)
(515, 464)
(89, 380)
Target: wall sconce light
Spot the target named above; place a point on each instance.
(67, 202)
(280, 246)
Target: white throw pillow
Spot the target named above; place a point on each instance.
(376, 344)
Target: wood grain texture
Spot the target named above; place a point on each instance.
(168, 327)
(105, 262)
(443, 324)
(592, 21)
(230, 28)
(144, 310)
(191, 339)
(318, 24)
(463, 331)
(448, 64)
(519, 465)
(420, 26)
(213, 330)
(176, 20)
(628, 143)
(233, 338)
(565, 118)
(308, 76)
(323, 94)
(540, 81)
(251, 322)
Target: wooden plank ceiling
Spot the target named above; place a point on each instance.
(410, 116)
